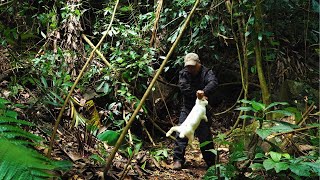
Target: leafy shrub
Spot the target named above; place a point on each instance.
(276, 162)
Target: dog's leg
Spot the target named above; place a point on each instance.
(181, 135)
(170, 131)
(174, 128)
(205, 118)
(190, 140)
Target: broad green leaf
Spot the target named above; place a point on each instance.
(275, 104)
(204, 143)
(300, 169)
(12, 114)
(137, 147)
(264, 133)
(100, 86)
(106, 88)
(241, 158)
(245, 101)
(281, 166)
(283, 112)
(259, 155)
(238, 156)
(269, 164)
(253, 69)
(314, 165)
(111, 137)
(213, 151)
(275, 156)
(250, 117)
(297, 113)
(4, 101)
(283, 123)
(258, 106)
(67, 84)
(281, 128)
(286, 155)
(251, 20)
(314, 125)
(246, 109)
(256, 166)
(13, 120)
(129, 151)
(97, 158)
(221, 136)
(44, 82)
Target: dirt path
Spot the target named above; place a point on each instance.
(194, 168)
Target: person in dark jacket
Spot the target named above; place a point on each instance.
(195, 80)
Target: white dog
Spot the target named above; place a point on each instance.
(188, 127)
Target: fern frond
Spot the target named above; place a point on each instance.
(5, 119)
(10, 131)
(19, 162)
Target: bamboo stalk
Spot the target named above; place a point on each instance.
(125, 130)
(76, 82)
(97, 51)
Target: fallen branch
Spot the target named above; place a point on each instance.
(146, 130)
(295, 130)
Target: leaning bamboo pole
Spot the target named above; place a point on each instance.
(76, 82)
(126, 128)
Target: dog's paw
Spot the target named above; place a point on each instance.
(181, 135)
(168, 134)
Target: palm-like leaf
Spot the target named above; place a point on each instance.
(17, 158)
(20, 162)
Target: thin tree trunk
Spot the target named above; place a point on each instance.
(266, 98)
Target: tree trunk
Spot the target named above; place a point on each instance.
(257, 48)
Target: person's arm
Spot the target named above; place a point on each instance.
(211, 83)
(185, 86)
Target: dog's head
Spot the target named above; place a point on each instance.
(203, 101)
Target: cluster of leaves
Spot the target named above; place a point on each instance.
(203, 27)
(132, 61)
(18, 159)
(20, 24)
(275, 162)
(303, 166)
(49, 75)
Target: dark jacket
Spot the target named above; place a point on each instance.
(205, 80)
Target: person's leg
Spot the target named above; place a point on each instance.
(180, 144)
(204, 134)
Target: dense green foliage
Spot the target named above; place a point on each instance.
(42, 53)
(275, 160)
